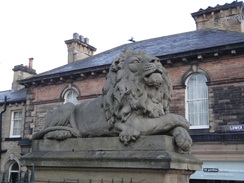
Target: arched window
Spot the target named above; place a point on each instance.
(197, 101)
(13, 172)
(71, 96)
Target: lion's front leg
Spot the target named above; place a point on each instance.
(128, 133)
(182, 138)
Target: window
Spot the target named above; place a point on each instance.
(70, 96)
(197, 101)
(13, 172)
(16, 124)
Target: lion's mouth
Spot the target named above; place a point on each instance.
(154, 78)
(154, 72)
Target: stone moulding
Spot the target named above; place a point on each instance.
(149, 152)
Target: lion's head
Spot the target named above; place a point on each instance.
(138, 83)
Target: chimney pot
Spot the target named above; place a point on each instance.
(76, 36)
(86, 40)
(81, 38)
(31, 63)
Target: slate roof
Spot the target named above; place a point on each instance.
(166, 46)
(13, 96)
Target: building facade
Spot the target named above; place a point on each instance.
(13, 108)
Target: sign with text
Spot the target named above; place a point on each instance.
(220, 170)
(236, 128)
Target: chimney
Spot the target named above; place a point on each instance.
(31, 63)
(225, 17)
(79, 48)
(22, 72)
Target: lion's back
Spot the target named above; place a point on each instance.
(90, 118)
(60, 116)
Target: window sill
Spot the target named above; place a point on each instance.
(13, 139)
(199, 127)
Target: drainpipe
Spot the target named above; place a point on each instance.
(4, 109)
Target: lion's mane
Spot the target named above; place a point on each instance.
(129, 89)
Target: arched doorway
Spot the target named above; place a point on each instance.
(13, 172)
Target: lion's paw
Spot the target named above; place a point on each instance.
(58, 135)
(127, 136)
(156, 111)
(75, 133)
(182, 138)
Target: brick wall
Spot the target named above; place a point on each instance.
(226, 92)
(178, 103)
(227, 104)
(90, 86)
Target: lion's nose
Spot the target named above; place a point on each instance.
(154, 61)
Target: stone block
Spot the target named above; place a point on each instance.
(149, 159)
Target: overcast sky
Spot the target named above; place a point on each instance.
(38, 28)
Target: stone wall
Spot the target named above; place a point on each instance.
(11, 145)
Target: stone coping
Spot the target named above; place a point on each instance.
(157, 142)
(148, 152)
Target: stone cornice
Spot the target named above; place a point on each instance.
(217, 8)
(226, 81)
(24, 69)
(203, 55)
(80, 43)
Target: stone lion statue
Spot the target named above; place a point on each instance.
(135, 101)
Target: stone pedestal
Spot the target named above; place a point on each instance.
(151, 159)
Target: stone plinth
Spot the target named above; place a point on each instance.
(151, 159)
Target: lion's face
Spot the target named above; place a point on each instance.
(152, 71)
(137, 83)
(147, 67)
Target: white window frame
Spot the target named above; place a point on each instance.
(186, 104)
(13, 121)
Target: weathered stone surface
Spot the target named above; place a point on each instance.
(149, 159)
(152, 152)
